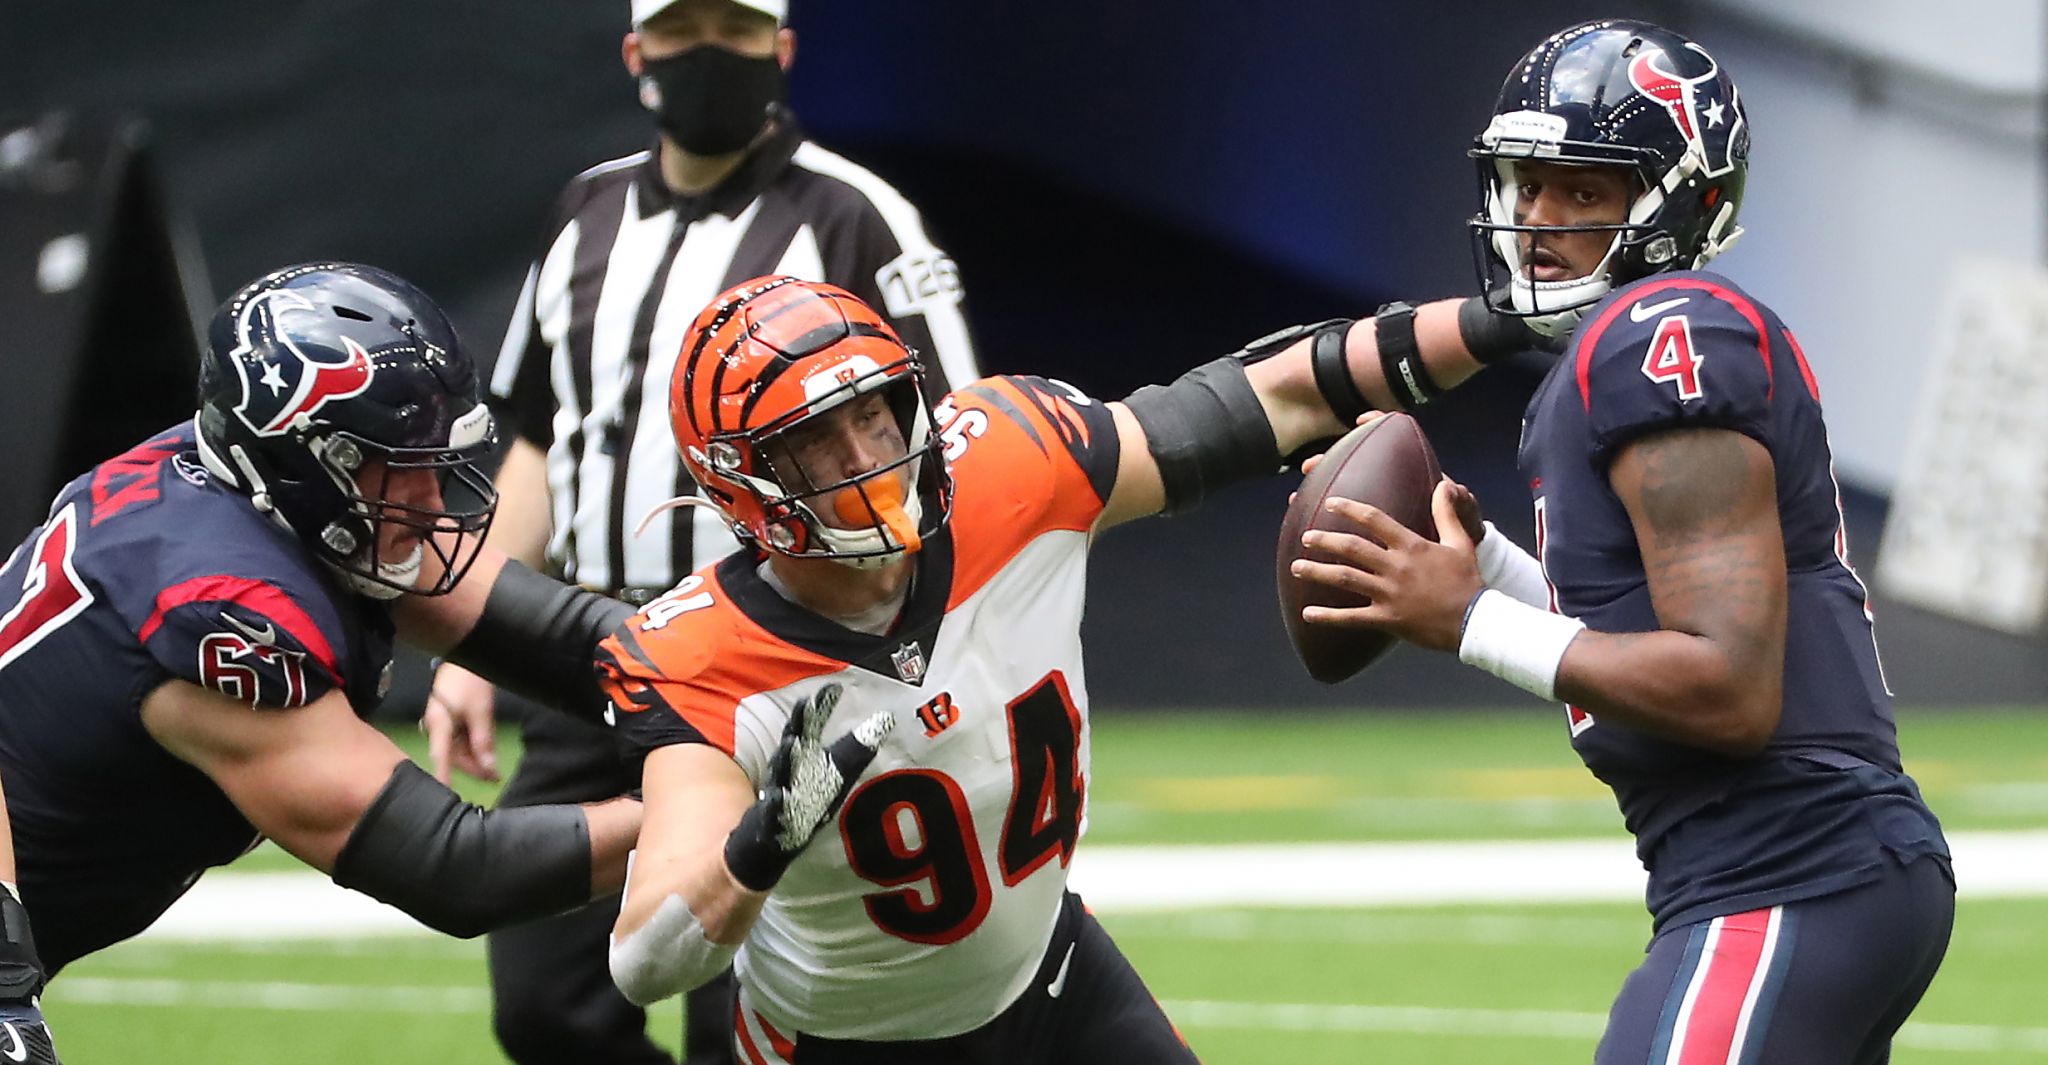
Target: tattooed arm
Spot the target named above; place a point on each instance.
(1704, 505)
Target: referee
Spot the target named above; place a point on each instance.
(731, 190)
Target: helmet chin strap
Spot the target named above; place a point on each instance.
(249, 479)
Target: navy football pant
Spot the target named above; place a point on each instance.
(551, 984)
(1085, 1006)
(1822, 981)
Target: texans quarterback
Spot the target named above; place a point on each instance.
(189, 641)
(1693, 604)
(866, 739)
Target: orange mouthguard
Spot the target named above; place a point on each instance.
(881, 497)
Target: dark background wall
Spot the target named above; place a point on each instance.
(1129, 189)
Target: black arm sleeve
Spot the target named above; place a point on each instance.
(460, 869)
(1206, 431)
(538, 637)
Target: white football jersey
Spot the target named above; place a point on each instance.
(925, 909)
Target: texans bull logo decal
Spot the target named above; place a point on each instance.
(1680, 98)
(292, 383)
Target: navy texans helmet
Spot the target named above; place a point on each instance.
(1613, 93)
(326, 390)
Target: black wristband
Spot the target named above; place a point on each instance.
(1493, 337)
(751, 855)
(1401, 359)
(1328, 359)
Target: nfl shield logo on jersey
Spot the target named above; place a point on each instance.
(909, 660)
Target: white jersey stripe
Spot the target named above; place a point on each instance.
(550, 308)
(1701, 968)
(802, 258)
(516, 335)
(943, 317)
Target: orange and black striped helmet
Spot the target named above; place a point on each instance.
(765, 359)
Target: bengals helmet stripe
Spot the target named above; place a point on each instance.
(767, 356)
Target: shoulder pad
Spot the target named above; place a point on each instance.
(1042, 423)
(219, 596)
(1676, 349)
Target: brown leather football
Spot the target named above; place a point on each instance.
(1388, 464)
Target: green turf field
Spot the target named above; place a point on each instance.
(1439, 985)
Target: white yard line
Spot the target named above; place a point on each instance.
(1187, 1013)
(270, 906)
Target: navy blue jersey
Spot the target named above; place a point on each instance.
(145, 572)
(1814, 812)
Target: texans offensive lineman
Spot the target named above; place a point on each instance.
(189, 641)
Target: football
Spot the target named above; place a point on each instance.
(1387, 463)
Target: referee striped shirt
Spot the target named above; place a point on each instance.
(584, 374)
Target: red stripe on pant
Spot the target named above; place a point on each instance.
(781, 1044)
(745, 1038)
(1708, 1035)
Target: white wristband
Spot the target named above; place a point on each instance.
(1516, 642)
(1504, 565)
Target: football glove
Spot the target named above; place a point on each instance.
(807, 780)
(24, 1038)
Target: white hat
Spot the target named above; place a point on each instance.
(647, 9)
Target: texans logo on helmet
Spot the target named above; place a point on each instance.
(1680, 97)
(292, 383)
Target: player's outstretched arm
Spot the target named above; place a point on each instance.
(524, 631)
(1236, 417)
(713, 847)
(342, 797)
(461, 713)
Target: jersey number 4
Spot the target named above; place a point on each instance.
(1672, 357)
(913, 830)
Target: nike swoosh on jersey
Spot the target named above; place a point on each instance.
(1642, 312)
(1059, 980)
(267, 635)
(19, 1051)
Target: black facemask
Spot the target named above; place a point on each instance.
(712, 100)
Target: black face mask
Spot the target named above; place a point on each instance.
(712, 100)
